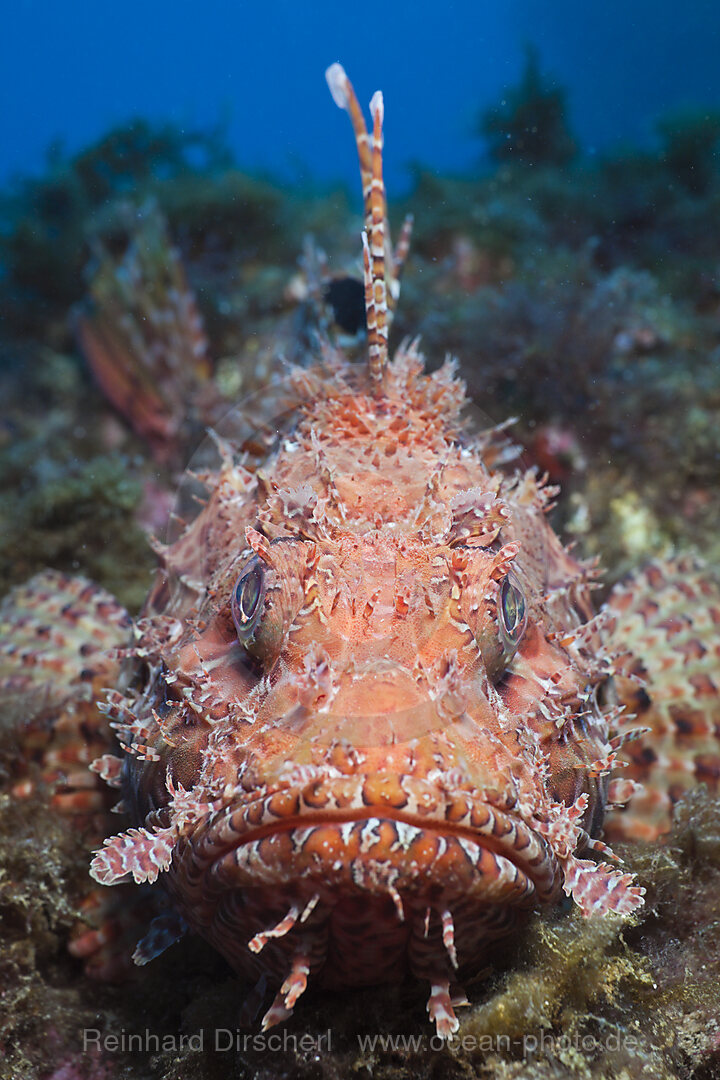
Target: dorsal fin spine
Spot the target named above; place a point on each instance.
(380, 294)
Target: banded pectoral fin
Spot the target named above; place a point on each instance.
(662, 626)
(121, 929)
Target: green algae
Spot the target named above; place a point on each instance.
(39, 877)
(65, 501)
(43, 221)
(529, 127)
(74, 517)
(690, 140)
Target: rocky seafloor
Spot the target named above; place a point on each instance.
(581, 297)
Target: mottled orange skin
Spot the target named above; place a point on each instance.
(378, 737)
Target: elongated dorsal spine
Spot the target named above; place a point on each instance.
(380, 294)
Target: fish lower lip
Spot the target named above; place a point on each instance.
(242, 846)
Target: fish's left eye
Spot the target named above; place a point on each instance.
(247, 598)
(512, 610)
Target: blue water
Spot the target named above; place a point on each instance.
(70, 70)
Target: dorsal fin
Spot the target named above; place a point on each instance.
(382, 267)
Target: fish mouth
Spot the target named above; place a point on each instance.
(350, 835)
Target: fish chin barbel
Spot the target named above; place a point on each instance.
(363, 738)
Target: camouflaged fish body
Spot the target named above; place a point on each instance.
(364, 737)
(664, 625)
(58, 642)
(368, 717)
(365, 704)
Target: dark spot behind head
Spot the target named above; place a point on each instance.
(346, 297)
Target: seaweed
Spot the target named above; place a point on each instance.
(39, 884)
(71, 481)
(690, 147)
(45, 224)
(530, 126)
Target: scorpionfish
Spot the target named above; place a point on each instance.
(369, 716)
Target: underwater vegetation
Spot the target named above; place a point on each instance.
(641, 362)
(529, 127)
(582, 298)
(47, 223)
(72, 488)
(690, 140)
(45, 219)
